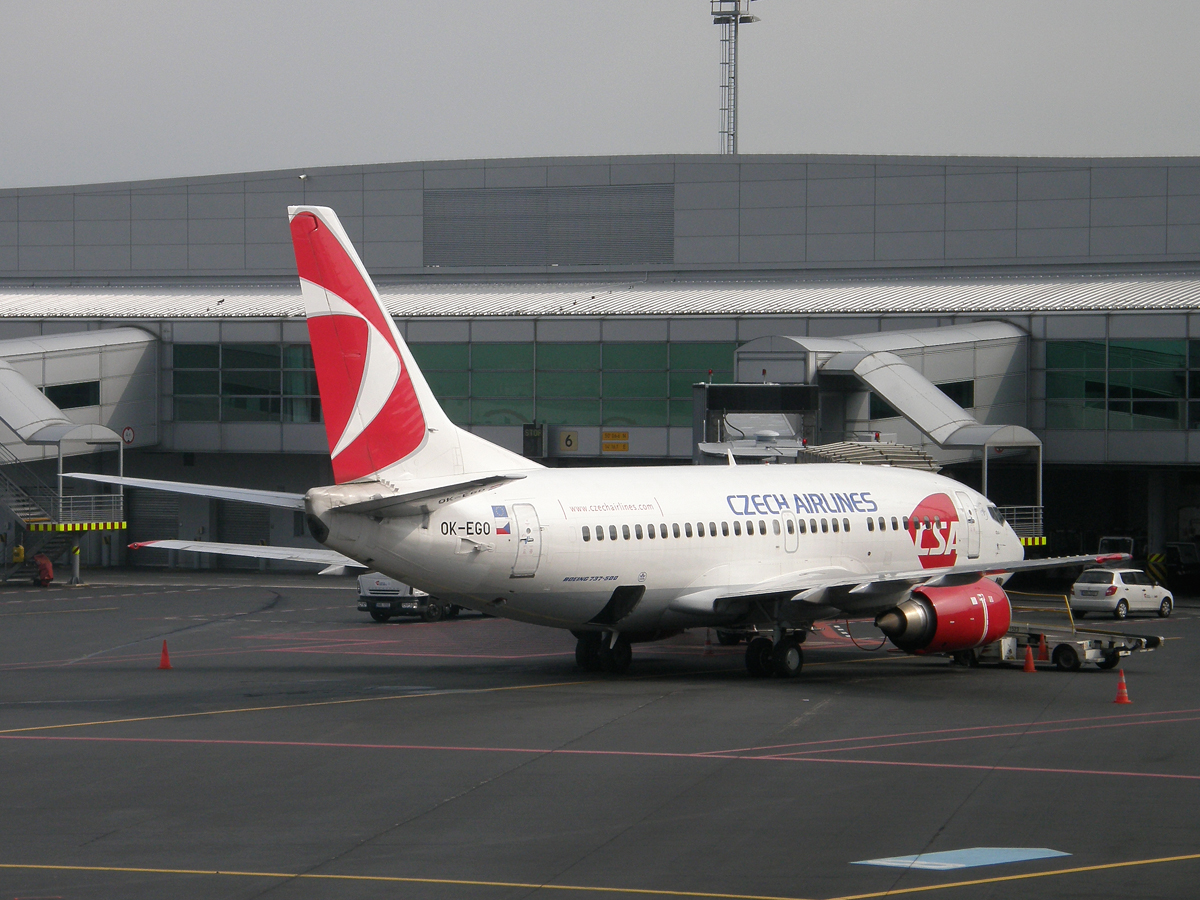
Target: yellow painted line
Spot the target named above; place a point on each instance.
(1023, 877)
(315, 703)
(58, 612)
(394, 879)
(594, 889)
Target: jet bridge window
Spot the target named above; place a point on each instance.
(587, 534)
(73, 396)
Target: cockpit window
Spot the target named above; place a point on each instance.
(995, 514)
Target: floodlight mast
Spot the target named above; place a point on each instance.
(729, 14)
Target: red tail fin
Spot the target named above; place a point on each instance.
(372, 414)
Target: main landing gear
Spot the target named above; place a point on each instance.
(783, 658)
(597, 651)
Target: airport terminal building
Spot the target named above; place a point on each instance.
(1024, 324)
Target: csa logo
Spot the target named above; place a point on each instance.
(933, 527)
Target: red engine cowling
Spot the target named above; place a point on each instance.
(946, 619)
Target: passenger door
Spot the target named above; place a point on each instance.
(529, 540)
(970, 523)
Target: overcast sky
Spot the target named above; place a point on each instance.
(112, 91)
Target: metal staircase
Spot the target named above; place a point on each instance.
(51, 520)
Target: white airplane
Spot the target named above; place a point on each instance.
(616, 555)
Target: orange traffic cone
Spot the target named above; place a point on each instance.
(1043, 652)
(708, 650)
(1029, 666)
(164, 661)
(1122, 691)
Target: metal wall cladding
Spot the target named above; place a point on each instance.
(597, 225)
(152, 515)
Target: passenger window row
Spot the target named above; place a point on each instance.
(751, 527)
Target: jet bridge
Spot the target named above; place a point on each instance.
(954, 394)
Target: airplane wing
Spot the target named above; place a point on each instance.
(859, 593)
(390, 502)
(331, 559)
(246, 495)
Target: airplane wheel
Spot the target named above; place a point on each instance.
(616, 659)
(587, 652)
(758, 657)
(433, 612)
(380, 617)
(787, 658)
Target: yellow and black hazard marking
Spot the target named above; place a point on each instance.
(1156, 565)
(1034, 541)
(76, 526)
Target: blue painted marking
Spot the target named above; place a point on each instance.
(963, 859)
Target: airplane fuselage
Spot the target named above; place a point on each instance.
(551, 548)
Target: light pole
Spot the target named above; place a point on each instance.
(729, 14)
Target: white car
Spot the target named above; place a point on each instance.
(1119, 592)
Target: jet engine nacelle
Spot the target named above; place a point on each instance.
(947, 619)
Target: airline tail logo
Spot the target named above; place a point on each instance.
(934, 528)
(372, 416)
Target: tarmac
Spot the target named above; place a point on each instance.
(296, 749)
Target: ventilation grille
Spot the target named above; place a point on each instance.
(568, 226)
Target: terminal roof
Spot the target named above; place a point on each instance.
(1018, 294)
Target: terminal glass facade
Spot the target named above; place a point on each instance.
(245, 383)
(478, 383)
(1123, 385)
(600, 384)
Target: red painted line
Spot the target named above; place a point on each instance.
(533, 751)
(900, 734)
(980, 737)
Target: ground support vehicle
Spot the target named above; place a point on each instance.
(385, 597)
(1065, 648)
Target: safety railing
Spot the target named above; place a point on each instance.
(90, 508)
(1026, 521)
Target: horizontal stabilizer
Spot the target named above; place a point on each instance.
(255, 551)
(429, 495)
(245, 495)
